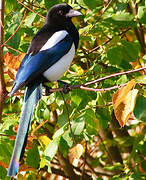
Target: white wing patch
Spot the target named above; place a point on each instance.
(54, 39)
(55, 72)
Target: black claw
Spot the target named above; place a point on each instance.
(66, 89)
(65, 86)
(47, 91)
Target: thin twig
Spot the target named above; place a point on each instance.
(103, 89)
(83, 86)
(30, 9)
(16, 30)
(39, 126)
(67, 111)
(106, 42)
(9, 47)
(114, 75)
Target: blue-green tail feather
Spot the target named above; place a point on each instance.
(31, 97)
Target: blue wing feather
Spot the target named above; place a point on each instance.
(33, 66)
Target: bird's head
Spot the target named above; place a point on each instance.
(60, 14)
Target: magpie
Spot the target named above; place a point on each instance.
(49, 55)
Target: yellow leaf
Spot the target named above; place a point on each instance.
(44, 141)
(124, 101)
(75, 153)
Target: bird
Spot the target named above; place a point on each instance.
(49, 55)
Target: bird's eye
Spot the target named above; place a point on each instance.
(60, 12)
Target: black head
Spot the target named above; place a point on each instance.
(60, 14)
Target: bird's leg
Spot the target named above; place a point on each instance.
(65, 86)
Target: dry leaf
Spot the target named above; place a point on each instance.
(124, 101)
(13, 61)
(75, 153)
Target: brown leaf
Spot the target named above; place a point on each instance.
(75, 153)
(13, 61)
(124, 101)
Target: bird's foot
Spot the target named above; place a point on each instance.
(47, 90)
(65, 86)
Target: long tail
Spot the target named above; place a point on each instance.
(31, 98)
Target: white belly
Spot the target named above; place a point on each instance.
(56, 71)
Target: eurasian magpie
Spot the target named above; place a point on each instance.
(48, 57)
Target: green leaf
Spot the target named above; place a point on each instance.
(67, 137)
(141, 79)
(10, 5)
(131, 50)
(14, 41)
(90, 117)
(62, 119)
(64, 146)
(3, 173)
(52, 148)
(90, 4)
(78, 125)
(122, 19)
(115, 55)
(142, 14)
(76, 97)
(140, 108)
(50, 3)
(29, 20)
(123, 79)
(103, 116)
(6, 150)
(42, 162)
(33, 157)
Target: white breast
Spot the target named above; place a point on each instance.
(55, 72)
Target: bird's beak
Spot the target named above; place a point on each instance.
(73, 13)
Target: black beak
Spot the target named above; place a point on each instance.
(73, 13)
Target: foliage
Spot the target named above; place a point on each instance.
(111, 41)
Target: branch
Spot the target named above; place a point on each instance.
(67, 167)
(114, 75)
(9, 47)
(106, 42)
(3, 91)
(30, 9)
(67, 111)
(83, 86)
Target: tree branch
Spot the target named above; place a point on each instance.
(67, 167)
(83, 86)
(3, 91)
(29, 9)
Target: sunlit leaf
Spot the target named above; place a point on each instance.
(52, 148)
(142, 14)
(44, 141)
(124, 102)
(75, 153)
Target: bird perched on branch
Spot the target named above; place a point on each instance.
(48, 57)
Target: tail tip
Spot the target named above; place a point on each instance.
(13, 168)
